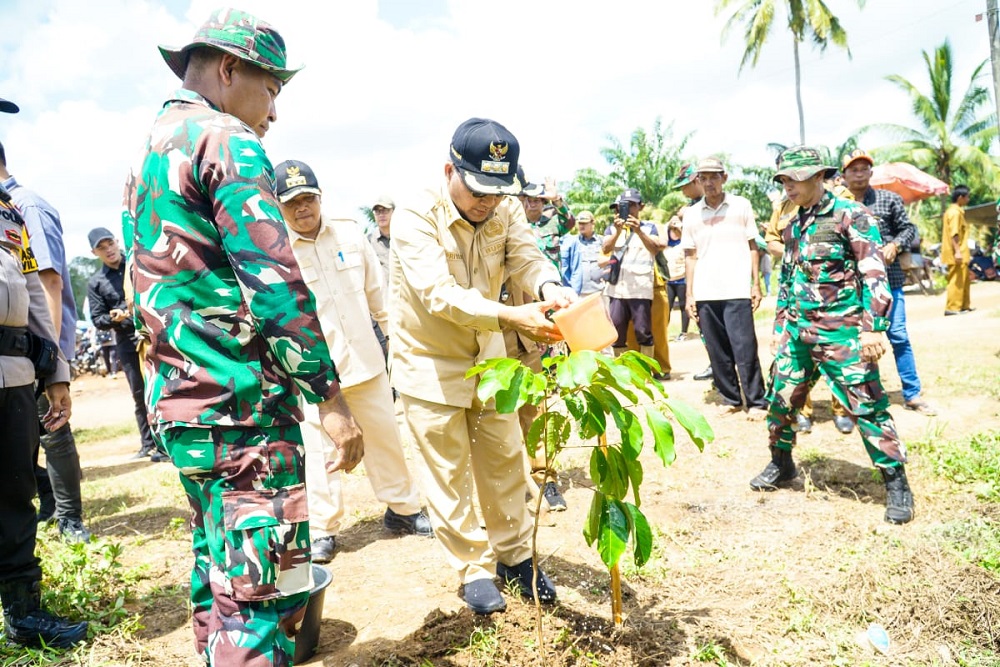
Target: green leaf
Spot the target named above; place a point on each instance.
(575, 405)
(593, 421)
(693, 422)
(640, 369)
(612, 538)
(606, 377)
(631, 430)
(592, 528)
(509, 399)
(564, 375)
(612, 472)
(642, 535)
(635, 473)
(599, 467)
(583, 365)
(663, 435)
(496, 376)
(551, 427)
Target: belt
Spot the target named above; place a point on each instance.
(14, 341)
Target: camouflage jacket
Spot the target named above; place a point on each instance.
(833, 277)
(551, 227)
(232, 327)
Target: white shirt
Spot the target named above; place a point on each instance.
(343, 273)
(721, 239)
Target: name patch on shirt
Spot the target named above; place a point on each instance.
(493, 248)
(453, 255)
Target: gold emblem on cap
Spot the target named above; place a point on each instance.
(293, 178)
(499, 151)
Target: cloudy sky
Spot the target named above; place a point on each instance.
(387, 81)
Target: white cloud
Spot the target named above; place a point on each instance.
(375, 106)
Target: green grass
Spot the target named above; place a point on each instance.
(977, 540)
(86, 436)
(973, 461)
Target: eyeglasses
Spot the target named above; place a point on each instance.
(475, 195)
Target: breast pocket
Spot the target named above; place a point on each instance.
(823, 262)
(458, 270)
(349, 262)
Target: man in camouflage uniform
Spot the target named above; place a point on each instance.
(832, 312)
(232, 331)
(549, 217)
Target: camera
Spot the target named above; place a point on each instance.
(623, 209)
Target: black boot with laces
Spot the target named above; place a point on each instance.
(28, 624)
(781, 469)
(898, 497)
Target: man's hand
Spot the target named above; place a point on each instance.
(755, 296)
(560, 295)
(117, 314)
(872, 346)
(551, 190)
(339, 424)
(889, 252)
(60, 406)
(691, 307)
(530, 320)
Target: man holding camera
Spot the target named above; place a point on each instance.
(634, 245)
(26, 353)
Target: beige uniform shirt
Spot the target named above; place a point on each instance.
(444, 285)
(22, 301)
(341, 270)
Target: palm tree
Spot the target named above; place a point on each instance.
(806, 18)
(952, 137)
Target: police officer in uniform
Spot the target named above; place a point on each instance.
(24, 323)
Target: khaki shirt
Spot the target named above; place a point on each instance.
(22, 300)
(444, 285)
(953, 225)
(341, 270)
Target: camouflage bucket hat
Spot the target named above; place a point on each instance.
(684, 176)
(241, 34)
(801, 163)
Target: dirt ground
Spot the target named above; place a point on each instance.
(739, 578)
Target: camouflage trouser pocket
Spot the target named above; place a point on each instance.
(267, 543)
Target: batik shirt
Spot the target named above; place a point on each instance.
(833, 278)
(231, 325)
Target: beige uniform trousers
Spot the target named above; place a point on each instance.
(385, 464)
(469, 450)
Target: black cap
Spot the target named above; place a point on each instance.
(295, 178)
(529, 189)
(486, 153)
(631, 195)
(7, 106)
(98, 234)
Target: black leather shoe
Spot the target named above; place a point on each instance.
(843, 424)
(73, 530)
(898, 497)
(407, 524)
(803, 424)
(483, 597)
(554, 499)
(27, 624)
(704, 375)
(158, 457)
(323, 548)
(520, 575)
(781, 469)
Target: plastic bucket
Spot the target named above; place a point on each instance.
(586, 324)
(308, 637)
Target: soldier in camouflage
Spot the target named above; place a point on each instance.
(233, 337)
(832, 312)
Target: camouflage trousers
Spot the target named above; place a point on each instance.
(856, 384)
(250, 537)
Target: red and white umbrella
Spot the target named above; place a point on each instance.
(907, 181)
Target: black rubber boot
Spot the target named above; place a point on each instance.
(28, 624)
(781, 469)
(898, 497)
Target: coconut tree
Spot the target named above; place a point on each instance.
(954, 133)
(806, 18)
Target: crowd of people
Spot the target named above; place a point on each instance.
(267, 345)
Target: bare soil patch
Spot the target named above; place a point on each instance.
(789, 578)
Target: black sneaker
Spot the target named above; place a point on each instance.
(781, 469)
(323, 548)
(158, 457)
(898, 497)
(483, 597)
(554, 499)
(520, 575)
(407, 524)
(73, 530)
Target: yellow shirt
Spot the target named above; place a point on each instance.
(444, 288)
(343, 273)
(954, 224)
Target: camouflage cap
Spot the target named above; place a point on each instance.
(802, 163)
(241, 34)
(686, 175)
